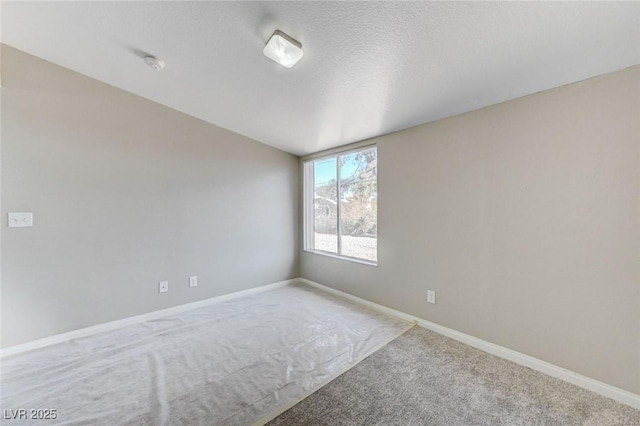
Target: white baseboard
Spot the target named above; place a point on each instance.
(593, 385)
(113, 325)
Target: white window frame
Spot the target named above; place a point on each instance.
(308, 207)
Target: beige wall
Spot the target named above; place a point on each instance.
(125, 193)
(525, 218)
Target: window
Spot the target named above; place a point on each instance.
(341, 205)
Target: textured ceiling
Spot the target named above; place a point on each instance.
(369, 68)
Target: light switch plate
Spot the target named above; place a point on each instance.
(20, 220)
(163, 286)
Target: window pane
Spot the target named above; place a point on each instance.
(325, 205)
(359, 205)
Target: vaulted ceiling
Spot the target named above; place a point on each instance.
(369, 68)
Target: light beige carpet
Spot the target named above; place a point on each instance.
(422, 378)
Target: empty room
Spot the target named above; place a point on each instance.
(319, 213)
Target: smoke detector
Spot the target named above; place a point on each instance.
(155, 63)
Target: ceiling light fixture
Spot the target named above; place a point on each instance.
(283, 49)
(155, 63)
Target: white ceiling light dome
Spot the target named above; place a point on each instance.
(283, 49)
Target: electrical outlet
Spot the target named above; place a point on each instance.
(163, 286)
(431, 296)
(193, 281)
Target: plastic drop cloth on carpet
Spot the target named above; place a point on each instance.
(231, 363)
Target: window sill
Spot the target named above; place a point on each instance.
(339, 257)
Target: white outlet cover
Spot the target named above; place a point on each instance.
(163, 286)
(193, 281)
(431, 296)
(20, 220)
